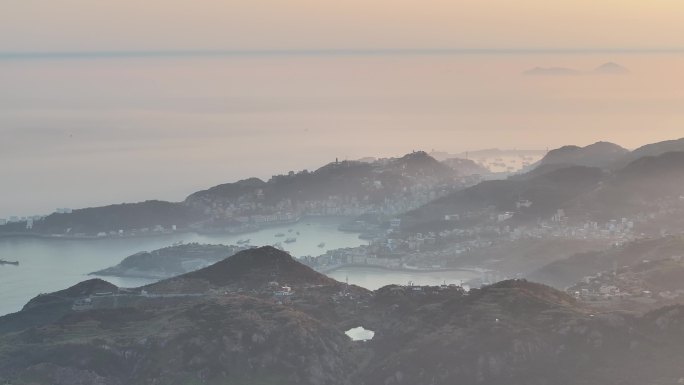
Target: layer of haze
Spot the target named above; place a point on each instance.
(104, 129)
(37, 25)
(85, 132)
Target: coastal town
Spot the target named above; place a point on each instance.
(385, 188)
(439, 250)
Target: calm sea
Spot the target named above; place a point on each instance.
(49, 265)
(86, 130)
(94, 130)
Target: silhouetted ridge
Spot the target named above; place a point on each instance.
(418, 159)
(611, 68)
(229, 190)
(518, 289)
(600, 154)
(79, 290)
(121, 216)
(654, 149)
(650, 165)
(649, 178)
(256, 267)
(539, 171)
(547, 192)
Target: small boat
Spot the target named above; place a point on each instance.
(321, 245)
(297, 232)
(291, 240)
(3, 262)
(279, 235)
(243, 241)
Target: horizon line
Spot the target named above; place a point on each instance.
(28, 55)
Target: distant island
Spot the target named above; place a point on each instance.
(170, 261)
(609, 68)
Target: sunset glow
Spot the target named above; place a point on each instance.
(34, 25)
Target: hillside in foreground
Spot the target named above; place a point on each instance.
(240, 329)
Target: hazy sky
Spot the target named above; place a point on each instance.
(59, 25)
(95, 131)
(98, 130)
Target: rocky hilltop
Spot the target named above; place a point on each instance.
(241, 330)
(254, 269)
(600, 154)
(655, 149)
(363, 181)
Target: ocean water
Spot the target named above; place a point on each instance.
(49, 265)
(84, 130)
(98, 129)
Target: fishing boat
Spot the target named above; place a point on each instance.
(3, 262)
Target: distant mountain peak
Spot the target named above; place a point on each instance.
(419, 153)
(255, 268)
(655, 149)
(417, 156)
(607, 147)
(611, 68)
(599, 154)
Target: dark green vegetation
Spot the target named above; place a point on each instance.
(234, 331)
